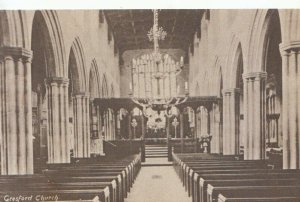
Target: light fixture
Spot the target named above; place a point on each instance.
(158, 66)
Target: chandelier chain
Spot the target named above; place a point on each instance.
(158, 103)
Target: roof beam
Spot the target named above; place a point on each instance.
(130, 28)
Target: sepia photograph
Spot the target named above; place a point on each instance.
(168, 104)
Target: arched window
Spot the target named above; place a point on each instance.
(146, 83)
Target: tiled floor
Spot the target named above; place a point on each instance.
(158, 184)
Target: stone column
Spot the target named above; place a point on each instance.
(215, 141)
(231, 121)
(16, 111)
(99, 123)
(195, 130)
(226, 123)
(195, 122)
(290, 104)
(168, 128)
(143, 126)
(113, 127)
(100, 126)
(129, 127)
(58, 116)
(104, 126)
(181, 131)
(81, 125)
(87, 125)
(198, 111)
(254, 92)
(210, 125)
(116, 119)
(209, 121)
(107, 129)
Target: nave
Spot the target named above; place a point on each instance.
(91, 99)
(157, 183)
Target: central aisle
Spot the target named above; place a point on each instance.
(158, 184)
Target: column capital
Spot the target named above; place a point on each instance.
(16, 53)
(230, 91)
(57, 80)
(286, 48)
(81, 95)
(255, 75)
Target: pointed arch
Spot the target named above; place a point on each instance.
(220, 82)
(55, 45)
(237, 67)
(290, 23)
(94, 80)
(104, 90)
(112, 90)
(77, 67)
(234, 62)
(258, 39)
(218, 71)
(14, 31)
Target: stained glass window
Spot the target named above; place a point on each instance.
(154, 79)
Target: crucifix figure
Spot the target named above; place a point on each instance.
(134, 125)
(175, 123)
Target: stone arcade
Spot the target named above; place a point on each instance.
(69, 96)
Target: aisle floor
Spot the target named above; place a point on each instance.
(158, 184)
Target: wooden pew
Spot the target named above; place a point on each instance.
(227, 176)
(188, 170)
(133, 163)
(28, 183)
(222, 198)
(190, 174)
(100, 176)
(181, 165)
(130, 165)
(252, 182)
(250, 191)
(88, 195)
(200, 184)
(193, 170)
(61, 186)
(128, 171)
(82, 181)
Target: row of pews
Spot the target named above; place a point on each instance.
(212, 177)
(87, 179)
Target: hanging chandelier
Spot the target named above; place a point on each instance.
(157, 67)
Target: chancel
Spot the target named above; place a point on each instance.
(150, 105)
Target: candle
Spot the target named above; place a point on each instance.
(130, 86)
(186, 85)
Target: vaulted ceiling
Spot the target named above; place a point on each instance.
(130, 28)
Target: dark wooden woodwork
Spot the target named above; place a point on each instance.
(130, 27)
(126, 103)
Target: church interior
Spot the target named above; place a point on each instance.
(150, 105)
